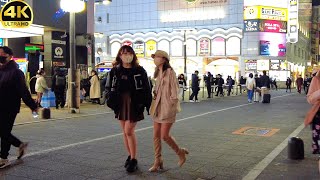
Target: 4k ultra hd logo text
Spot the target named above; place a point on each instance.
(16, 14)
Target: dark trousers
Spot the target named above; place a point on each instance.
(7, 139)
(315, 126)
(288, 88)
(220, 90)
(229, 90)
(209, 91)
(60, 99)
(299, 88)
(194, 94)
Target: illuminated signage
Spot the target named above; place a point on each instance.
(269, 48)
(204, 47)
(263, 65)
(251, 25)
(151, 47)
(192, 14)
(1, 42)
(138, 47)
(293, 21)
(273, 26)
(165, 5)
(264, 12)
(251, 64)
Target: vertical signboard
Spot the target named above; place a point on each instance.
(204, 47)
(59, 47)
(138, 48)
(293, 21)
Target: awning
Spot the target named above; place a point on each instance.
(33, 30)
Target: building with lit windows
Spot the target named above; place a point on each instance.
(228, 37)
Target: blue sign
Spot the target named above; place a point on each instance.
(1, 42)
(251, 25)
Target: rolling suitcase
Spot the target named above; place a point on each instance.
(256, 97)
(266, 98)
(46, 113)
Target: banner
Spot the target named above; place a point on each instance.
(204, 47)
(273, 26)
(59, 46)
(251, 25)
(265, 12)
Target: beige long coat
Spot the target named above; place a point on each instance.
(166, 102)
(95, 91)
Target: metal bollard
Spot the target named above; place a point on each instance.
(295, 148)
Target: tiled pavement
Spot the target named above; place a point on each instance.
(91, 147)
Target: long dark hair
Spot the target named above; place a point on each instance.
(166, 65)
(128, 49)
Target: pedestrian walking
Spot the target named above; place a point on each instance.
(208, 80)
(250, 84)
(288, 84)
(313, 116)
(230, 83)
(59, 82)
(182, 85)
(128, 94)
(95, 90)
(13, 88)
(41, 85)
(166, 106)
(275, 84)
(242, 82)
(195, 87)
(220, 83)
(299, 82)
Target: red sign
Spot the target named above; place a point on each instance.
(127, 43)
(204, 47)
(273, 26)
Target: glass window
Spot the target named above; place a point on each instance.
(233, 46)
(115, 48)
(164, 45)
(191, 47)
(176, 47)
(218, 47)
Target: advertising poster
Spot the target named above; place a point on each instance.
(274, 65)
(265, 12)
(204, 47)
(218, 47)
(273, 26)
(272, 44)
(151, 48)
(263, 65)
(22, 63)
(251, 65)
(251, 25)
(138, 47)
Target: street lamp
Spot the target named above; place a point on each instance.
(73, 7)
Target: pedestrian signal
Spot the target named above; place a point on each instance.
(16, 14)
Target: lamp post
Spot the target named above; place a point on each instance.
(73, 7)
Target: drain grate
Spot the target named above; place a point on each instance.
(256, 131)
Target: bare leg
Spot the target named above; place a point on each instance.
(125, 140)
(131, 138)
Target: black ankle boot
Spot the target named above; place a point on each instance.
(127, 161)
(132, 166)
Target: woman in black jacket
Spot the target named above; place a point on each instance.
(12, 88)
(128, 93)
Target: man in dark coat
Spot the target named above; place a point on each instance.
(59, 82)
(208, 79)
(220, 83)
(195, 87)
(288, 84)
(265, 80)
(12, 88)
(299, 82)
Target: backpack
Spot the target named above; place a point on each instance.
(60, 81)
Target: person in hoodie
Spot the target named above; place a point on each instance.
(250, 84)
(195, 87)
(13, 88)
(41, 85)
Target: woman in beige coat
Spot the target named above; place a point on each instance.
(41, 85)
(166, 105)
(95, 92)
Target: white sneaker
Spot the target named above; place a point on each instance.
(197, 101)
(4, 163)
(191, 101)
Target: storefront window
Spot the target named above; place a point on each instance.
(218, 47)
(164, 45)
(176, 47)
(115, 48)
(233, 46)
(191, 47)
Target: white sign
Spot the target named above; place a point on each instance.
(293, 32)
(263, 65)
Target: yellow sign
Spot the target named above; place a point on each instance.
(265, 12)
(16, 14)
(151, 48)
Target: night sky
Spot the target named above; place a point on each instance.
(315, 2)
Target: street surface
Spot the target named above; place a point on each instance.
(89, 145)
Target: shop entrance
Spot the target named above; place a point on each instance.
(225, 67)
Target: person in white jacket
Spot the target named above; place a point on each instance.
(41, 85)
(250, 84)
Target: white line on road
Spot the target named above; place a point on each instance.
(257, 170)
(138, 130)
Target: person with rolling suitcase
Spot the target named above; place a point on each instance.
(265, 86)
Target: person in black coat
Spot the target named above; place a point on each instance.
(288, 84)
(220, 83)
(59, 82)
(208, 79)
(195, 87)
(12, 88)
(265, 80)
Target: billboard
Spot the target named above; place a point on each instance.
(165, 5)
(256, 25)
(251, 25)
(265, 12)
